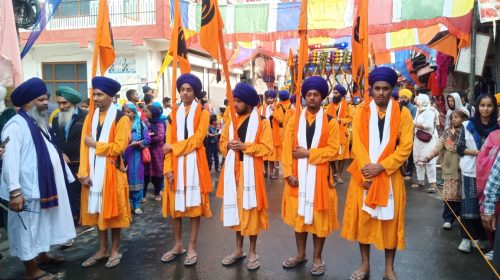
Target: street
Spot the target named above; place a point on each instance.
(431, 253)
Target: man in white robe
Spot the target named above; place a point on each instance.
(34, 178)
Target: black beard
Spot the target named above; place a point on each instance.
(336, 100)
(404, 103)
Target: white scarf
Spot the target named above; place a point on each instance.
(231, 217)
(268, 111)
(97, 162)
(375, 150)
(188, 195)
(306, 171)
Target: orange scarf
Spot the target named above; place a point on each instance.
(260, 186)
(378, 195)
(322, 171)
(204, 173)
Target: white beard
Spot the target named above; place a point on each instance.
(40, 118)
(65, 116)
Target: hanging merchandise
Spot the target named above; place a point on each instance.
(269, 71)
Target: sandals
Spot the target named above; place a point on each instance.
(231, 259)
(93, 260)
(340, 180)
(318, 270)
(292, 262)
(416, 185)
(356, 275)
(158, 198)
(112, 262)
(170, 256)
(190, 261)
(253, 265)
(389, 278)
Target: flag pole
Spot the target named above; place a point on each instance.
(302, 56)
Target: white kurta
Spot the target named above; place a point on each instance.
(421, 149)
(46, 227)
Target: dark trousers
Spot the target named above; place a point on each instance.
(475, 228)
(213, 155)
(447, 214)
(157, 183)
(74, 194)
(409, 166)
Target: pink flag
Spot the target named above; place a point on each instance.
(11, 73)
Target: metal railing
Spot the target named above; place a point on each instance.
(76, 14)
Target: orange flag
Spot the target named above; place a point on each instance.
(212, 40)
(178, 49)
(360, 47)
(104, 50)
(211, 23)
(290, 58)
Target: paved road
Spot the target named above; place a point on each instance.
(431, 253)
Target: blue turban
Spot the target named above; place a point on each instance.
(109, 86)
(28, 91)
(384, 74)
(284, 95)
(191, 80)
(317, 83)
(69, 94)
(340, 89)
(270, 93)
(247, 94)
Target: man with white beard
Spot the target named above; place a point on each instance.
(67, 126)
(34, 182)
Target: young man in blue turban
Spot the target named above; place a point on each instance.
(375, 205)
(343, 113)
(34, 182)
(68, 125)
(244, 208)
(104, 201)
(309, 202)
(187, 178)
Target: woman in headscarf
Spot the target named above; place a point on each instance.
(424, 141)
(475, 132)
(139, 139)
(154, 170)
(454, 103)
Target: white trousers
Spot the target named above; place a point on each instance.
(429, 169)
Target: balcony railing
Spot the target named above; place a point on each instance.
(76, 14)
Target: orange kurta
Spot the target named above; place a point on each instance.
(357, 224)
(325, 221)
(275, 155)
(254, 220)
(118, 142)
(344, 118)
(182, 148)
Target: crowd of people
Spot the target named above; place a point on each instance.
(92, 163)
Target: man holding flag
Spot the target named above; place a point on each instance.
(187, 177)
(309, 202)
(244, 197)
(104, 199)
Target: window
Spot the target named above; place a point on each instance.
(71, 74)
(73, 8)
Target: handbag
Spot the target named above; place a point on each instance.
(423, 136)
(146, 155)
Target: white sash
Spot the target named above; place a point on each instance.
(376, 147)
(188, 195)
(306, 171)
(231, 217)
(268, 111)
(97, 162)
